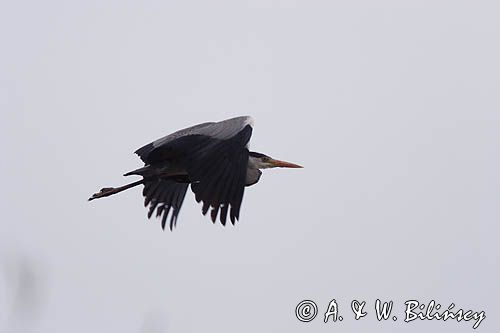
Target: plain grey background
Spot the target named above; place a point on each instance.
(391, 106)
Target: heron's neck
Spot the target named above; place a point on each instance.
(253, 172)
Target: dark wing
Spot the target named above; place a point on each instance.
(218, 171)
(215, 157)
(164, 195)
(221, 130)
(175, 150)
(164, 143)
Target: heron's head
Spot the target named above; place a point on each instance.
(261, 161)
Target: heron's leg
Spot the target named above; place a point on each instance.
(104, 192)
(107, 191)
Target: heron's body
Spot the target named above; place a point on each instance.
(211, 157)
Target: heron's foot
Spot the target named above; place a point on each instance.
(104, 192)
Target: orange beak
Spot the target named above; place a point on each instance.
(283, 164)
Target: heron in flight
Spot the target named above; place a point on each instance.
(212, 157)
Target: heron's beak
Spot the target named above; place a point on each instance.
(283, 164)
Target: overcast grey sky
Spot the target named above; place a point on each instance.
(393, 108)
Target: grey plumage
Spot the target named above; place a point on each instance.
(221, 130)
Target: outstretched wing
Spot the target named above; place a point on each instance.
(164, 195)
(218, 171)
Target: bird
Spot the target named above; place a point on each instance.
(213, 158)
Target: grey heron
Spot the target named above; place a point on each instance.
(212, 157)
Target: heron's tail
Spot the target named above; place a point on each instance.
(107, 191)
